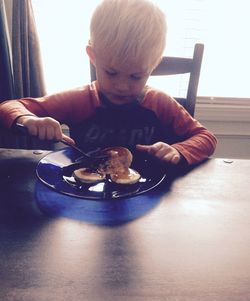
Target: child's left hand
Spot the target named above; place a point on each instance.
(162, 151)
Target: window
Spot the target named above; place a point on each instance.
(221, 25)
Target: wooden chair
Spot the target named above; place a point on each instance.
(179, 65)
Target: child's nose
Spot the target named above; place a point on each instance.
(122, 86)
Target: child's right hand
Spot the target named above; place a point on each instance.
(45, 128)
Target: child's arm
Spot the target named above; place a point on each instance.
(32, 114)
(196, 143)
(42, 116)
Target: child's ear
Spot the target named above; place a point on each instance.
(91, 54)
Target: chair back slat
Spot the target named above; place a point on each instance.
(173, 65)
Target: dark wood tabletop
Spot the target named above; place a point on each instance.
(188, 240)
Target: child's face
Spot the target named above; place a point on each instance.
(121, 84)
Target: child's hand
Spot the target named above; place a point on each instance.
(162, 151)
(45, 128)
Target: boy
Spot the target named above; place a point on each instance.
(127, 39)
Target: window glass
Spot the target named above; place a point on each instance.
(222, 25)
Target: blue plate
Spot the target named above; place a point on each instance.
(49, 171)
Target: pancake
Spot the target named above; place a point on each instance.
(86, 175)
(118, 166)
(120, 159)
(130, 177)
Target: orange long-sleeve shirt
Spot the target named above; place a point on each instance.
(93, 123)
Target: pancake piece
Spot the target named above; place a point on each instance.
(120, 159)
(86, 175)
(118, 166)
(130, 177)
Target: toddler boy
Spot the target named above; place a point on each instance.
(127, 40)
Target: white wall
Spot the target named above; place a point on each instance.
(229, 120)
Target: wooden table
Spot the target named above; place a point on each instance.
(192, 241)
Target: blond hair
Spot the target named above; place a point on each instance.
(129, 30)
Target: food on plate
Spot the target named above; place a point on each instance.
(129, 177)
(119, 160)
(117, 167)
(86, 175)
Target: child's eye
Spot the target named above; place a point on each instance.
(136, 77)
(110, 73)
